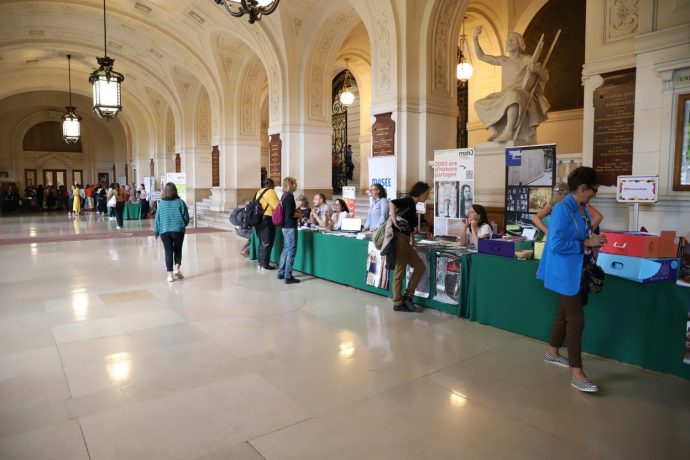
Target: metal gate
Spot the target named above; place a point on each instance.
(339, 173)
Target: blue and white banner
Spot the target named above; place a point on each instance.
(383, 170)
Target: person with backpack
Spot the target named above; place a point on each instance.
(289, 229)
(266, 230)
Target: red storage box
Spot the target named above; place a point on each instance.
(638, 244)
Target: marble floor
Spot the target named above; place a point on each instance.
(101, 358)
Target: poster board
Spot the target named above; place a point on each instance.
(180, 181)
(453, 189)
(349, 196)
(384, 170)
(148, 184)
(376, 272)
(637, 189)
(530, 179)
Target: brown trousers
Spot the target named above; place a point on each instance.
(569, 323)
(406, 254)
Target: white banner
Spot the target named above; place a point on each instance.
(383, 170)
(453, 189)
(349, 196)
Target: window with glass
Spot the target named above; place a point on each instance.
(681, 179)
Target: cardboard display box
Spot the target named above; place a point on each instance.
(639, 269)
(638, 244)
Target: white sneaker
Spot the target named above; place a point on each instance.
(178, 275)
(118, 227)
(171, 278)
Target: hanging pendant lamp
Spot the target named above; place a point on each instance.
(347, 97)
(256, 9)
(71, 129)
(464, 70)
(106, 83)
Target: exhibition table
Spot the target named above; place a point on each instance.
(132, 211)
(642, 324)
(343, 260)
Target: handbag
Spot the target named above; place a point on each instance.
(112, 202)
(593, 276)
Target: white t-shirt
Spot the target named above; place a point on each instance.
(485, 231)
(337, 219)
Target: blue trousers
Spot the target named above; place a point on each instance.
(287, 257)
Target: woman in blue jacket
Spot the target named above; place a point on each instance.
(561, 270)
(171, 219)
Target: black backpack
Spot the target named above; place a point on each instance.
(251, 215)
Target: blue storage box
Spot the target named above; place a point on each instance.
(639, 269)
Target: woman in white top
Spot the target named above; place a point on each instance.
(476, 226)
(340, 212)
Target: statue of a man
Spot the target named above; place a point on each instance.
(500, 112)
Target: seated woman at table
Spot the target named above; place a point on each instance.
(476, 226)
(541, 219)
(340, 212)
(378, 211)
(303, 210)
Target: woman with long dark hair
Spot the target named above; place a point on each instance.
(340, 212)
(476, 226)
(172, 217)
(570, 238)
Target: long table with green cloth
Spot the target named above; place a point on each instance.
(343, 260)
(642, 324)
(131, 211)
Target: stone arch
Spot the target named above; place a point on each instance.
(443, 30)
(251, 82)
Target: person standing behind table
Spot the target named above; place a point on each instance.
(289, 229)
(378, 211)
(119, 205)
(144, 198)
(320, 212)
(560, 269)
(476, 226)
(266, 230)
(172, 217)
(340, 212)
(405, 252)
(303, 208)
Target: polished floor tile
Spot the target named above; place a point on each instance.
(101, 358)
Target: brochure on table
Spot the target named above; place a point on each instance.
(453, 189)
(530, 179)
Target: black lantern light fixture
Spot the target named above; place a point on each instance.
(71, 130)
(106, 83)
(346, 96)
(464, 69)
(256, 9)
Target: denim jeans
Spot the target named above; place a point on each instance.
(172, 243)
(287, 257)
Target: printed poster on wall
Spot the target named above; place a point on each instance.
(530, 179)
(180, 181)
(453, 189)
(383, 170)
(448, 271)
(349, 195)
(377, 275)
(423, 286)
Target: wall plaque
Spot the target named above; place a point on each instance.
(383, 134)
(614, 122)
(215, 167)
(275, 152)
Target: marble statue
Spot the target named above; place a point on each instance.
(501, 112)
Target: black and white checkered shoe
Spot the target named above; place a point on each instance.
(585, 385)
(560, 361)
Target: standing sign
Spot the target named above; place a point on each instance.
(349, 195)
(636, 190)
(453, 189)
(180, 181)
(148, 184)
(383, 170)
(530, 178)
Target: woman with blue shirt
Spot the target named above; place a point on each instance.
(171, 219)
(561, 270)
(378, 211)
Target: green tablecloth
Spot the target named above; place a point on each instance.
(642, 324)
(343, 260)
(132, 211)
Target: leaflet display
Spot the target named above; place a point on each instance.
(530, 178)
